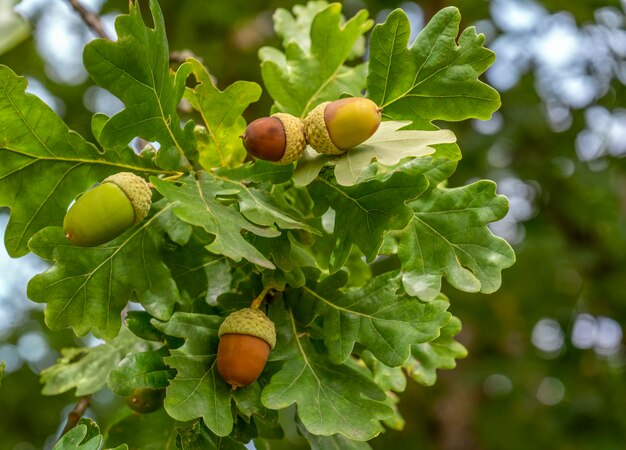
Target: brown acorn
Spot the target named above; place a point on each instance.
(335, 127)
(279, 138)
(246, 338)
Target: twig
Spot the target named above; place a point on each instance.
(91, 19)
(256, 303)
(75, 414)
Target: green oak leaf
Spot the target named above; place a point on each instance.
(261, 205)
(88, 287)
(87, 368)
(84, 436)
(195, 202)
(219, 141)
(448, 236)
(309, 74)
(140, 370)
(333, 442)
(296, 27)
(154, 431)
(44, 165)
(433, 79)
(365, 212)
(379, 316)
(197, 437)
(138, 322)
(324, 392)
(439, 354)
(199, 274)
(197, 390)
(258, 171)
(388, 146)
(135, 68)
(387, 378)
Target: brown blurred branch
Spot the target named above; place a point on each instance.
(75, 414)
(91, 19)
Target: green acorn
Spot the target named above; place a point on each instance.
(335, 127)
(107, 210)
(145, 400)
(279, 138)
(246, 338)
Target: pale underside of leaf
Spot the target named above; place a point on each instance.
(388, 146)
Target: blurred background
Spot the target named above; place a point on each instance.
(546, 358)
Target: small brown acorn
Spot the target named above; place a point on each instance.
(335, 127)
(107, 210)
(246, 338)
(279, 138)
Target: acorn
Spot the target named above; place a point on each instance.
(335, 127)
(107, 210)
(145, 400)
(246, 338)
(279, 138)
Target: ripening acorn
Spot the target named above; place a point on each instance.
(246, 338)
(279, 138)
(335, 127)
(107, 210)
(145, 400)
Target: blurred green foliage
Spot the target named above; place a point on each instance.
(569, 238)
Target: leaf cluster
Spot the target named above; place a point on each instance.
(222, 229)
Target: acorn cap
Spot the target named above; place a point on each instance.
(137, 191)
(317, 134)
(294, 137)
(252, 322)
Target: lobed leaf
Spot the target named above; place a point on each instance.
(379, 316)
(334, 442)
(88, 287)
(198, 437)
(219, 141)
(388, 146)
(135, 68)
(309, 74)
(44, 165)
(434, 78)
(365, 212)
(441, 353)
(324, 392)
(84, 436)
(448, 237)
(140, 370)
(194, 201)
(87, 368)
(197, 390)
(154, 431)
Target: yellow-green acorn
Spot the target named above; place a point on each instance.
(145, 400)
(335, 127)
(246, 338)
(279, 138)
(107, 210)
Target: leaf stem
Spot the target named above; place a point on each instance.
(256, 303)
(77, 413)
(91, 19)
(173, 177)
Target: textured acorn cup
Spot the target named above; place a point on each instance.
(145, 400)
(279, 138)
(246, 338)
(107, 210)
(335, 127)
